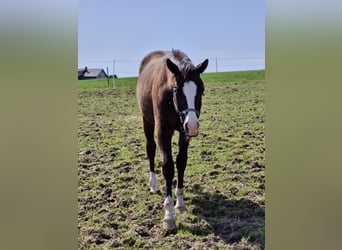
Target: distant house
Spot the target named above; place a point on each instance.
(85, 74)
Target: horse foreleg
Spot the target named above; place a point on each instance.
(169, 221)
(164, 140)
(181, 165)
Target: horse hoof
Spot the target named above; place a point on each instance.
(180, 209)
(169, 225)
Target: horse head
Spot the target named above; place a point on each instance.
(187, 93)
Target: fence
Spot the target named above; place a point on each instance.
(128, 68)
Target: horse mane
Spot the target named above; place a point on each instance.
(184, 63)
(156, 62)
(180, 58)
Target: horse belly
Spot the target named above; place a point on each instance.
(145, 103)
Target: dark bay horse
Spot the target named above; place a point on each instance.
(169, 93)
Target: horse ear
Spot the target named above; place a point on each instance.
(202, 66)
(172, 67)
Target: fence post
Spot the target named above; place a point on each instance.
(113, 73)
(107, 77)
(216, 68)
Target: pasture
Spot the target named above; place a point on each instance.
(224, 180)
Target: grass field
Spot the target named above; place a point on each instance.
(224, 179)
(222, 77)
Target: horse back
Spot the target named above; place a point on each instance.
(154, 83)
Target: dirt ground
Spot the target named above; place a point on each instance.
(224, 179)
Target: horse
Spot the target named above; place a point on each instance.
(169, 94)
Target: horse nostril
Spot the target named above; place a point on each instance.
(186, 128)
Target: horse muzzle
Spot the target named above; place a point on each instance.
(191, 124)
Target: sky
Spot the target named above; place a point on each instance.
(118, 33)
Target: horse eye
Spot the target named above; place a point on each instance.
(175, 90)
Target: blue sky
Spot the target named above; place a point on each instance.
(233, 31)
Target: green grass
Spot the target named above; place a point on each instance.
(103, 83)
(224, 179)
(239, 76)
(221, 77)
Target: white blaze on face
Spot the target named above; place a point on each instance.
(191, 120)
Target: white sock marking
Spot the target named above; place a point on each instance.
(168, 205)
(153, 182)
(179, 199)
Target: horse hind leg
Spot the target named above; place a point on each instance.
(180, 206)
(153, 182)
(151, 152)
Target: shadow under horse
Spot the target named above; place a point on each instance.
(230, 219)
